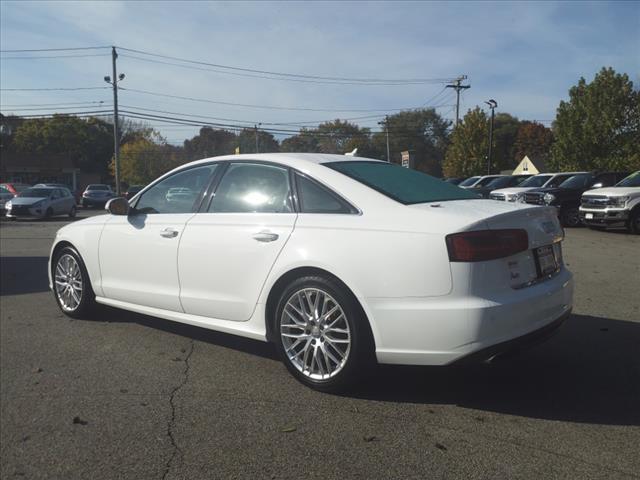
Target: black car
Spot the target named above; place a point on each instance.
(455, 180)
(132, 190)
(566, 196)
(500, 182)
(97, 195)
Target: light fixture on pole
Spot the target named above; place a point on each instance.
(116, 138)
(492, 105)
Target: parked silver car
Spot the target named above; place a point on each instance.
(41, 202)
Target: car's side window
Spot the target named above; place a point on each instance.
(177, 193)
(314, 198)
(55, 194)
(253, 188)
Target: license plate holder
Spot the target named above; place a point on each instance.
(546, 259)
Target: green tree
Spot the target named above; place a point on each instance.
(534, 140)
(599, 126)
(422, 131)
(340, 137)
(246, 140)
(89, 143)
(505, 132)
(304, 142)
(467, 152)
(210, 143)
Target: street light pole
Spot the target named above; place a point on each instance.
(116, 134)
(386, 128)
(492, 105)
(256, 128)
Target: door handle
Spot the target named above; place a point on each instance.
(168, 233)
(265, 236)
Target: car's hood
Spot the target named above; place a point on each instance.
(614, 191)
(26, 200)
(512, 190)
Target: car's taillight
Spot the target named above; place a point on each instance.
(486, 244)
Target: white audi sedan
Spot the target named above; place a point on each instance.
(339, 261)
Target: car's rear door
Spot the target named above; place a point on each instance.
(138, 253)
(228, 249)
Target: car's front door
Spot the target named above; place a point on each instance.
(138, 253)
(228, 249)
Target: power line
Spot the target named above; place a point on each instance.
(266, 107)
(57, 108)
(66, 89)
(294, 75)
(48, 104)
(39, 57)
(53, 49)
(75, 114)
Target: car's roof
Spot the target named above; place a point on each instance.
(45, 187)
(292, 159)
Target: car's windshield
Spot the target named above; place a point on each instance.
(468, 182)
(577, 181)
(536, 181)
(402, 184)
(98, 187)
(486, 181)
(35, 193)
(632, 180)
(4, 190)
(499, 182)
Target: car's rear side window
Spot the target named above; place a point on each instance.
(401, 184)
(314, 198)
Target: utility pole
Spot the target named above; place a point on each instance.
(116, 135)
(458, 87)
(256, 128)
(386, 128)
(492, 105)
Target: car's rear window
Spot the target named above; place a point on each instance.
(402, 184)
(98, 187)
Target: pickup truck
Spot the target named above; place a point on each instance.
(614, 206)
(566, 196)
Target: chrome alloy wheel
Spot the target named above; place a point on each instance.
(68, 283)
(315, 333)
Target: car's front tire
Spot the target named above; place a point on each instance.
(634, 221)
(321, 334)
(71, 286)
(570, 217)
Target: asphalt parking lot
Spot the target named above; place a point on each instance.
(133, 397)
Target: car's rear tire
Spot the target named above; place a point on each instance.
(570, 217)
(322, 335)
(72, 212)
(71, 285)
(633, 224)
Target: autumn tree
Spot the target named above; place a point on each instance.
(599, 126)
(534, 140)
(143, 160)
(467, 152)
(505, 132)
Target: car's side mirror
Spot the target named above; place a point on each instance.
(597, 185)
(118, 206)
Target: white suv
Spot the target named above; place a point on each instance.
(618, 205)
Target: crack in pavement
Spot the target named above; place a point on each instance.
(176, 449)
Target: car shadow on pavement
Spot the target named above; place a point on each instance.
(253, 347)
(589, 372)
(20, 275)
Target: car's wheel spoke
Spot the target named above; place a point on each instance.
(68, 283)
(315, 333)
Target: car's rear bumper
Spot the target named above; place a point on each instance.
(443, 330)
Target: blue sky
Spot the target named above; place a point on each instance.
(525, 55)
